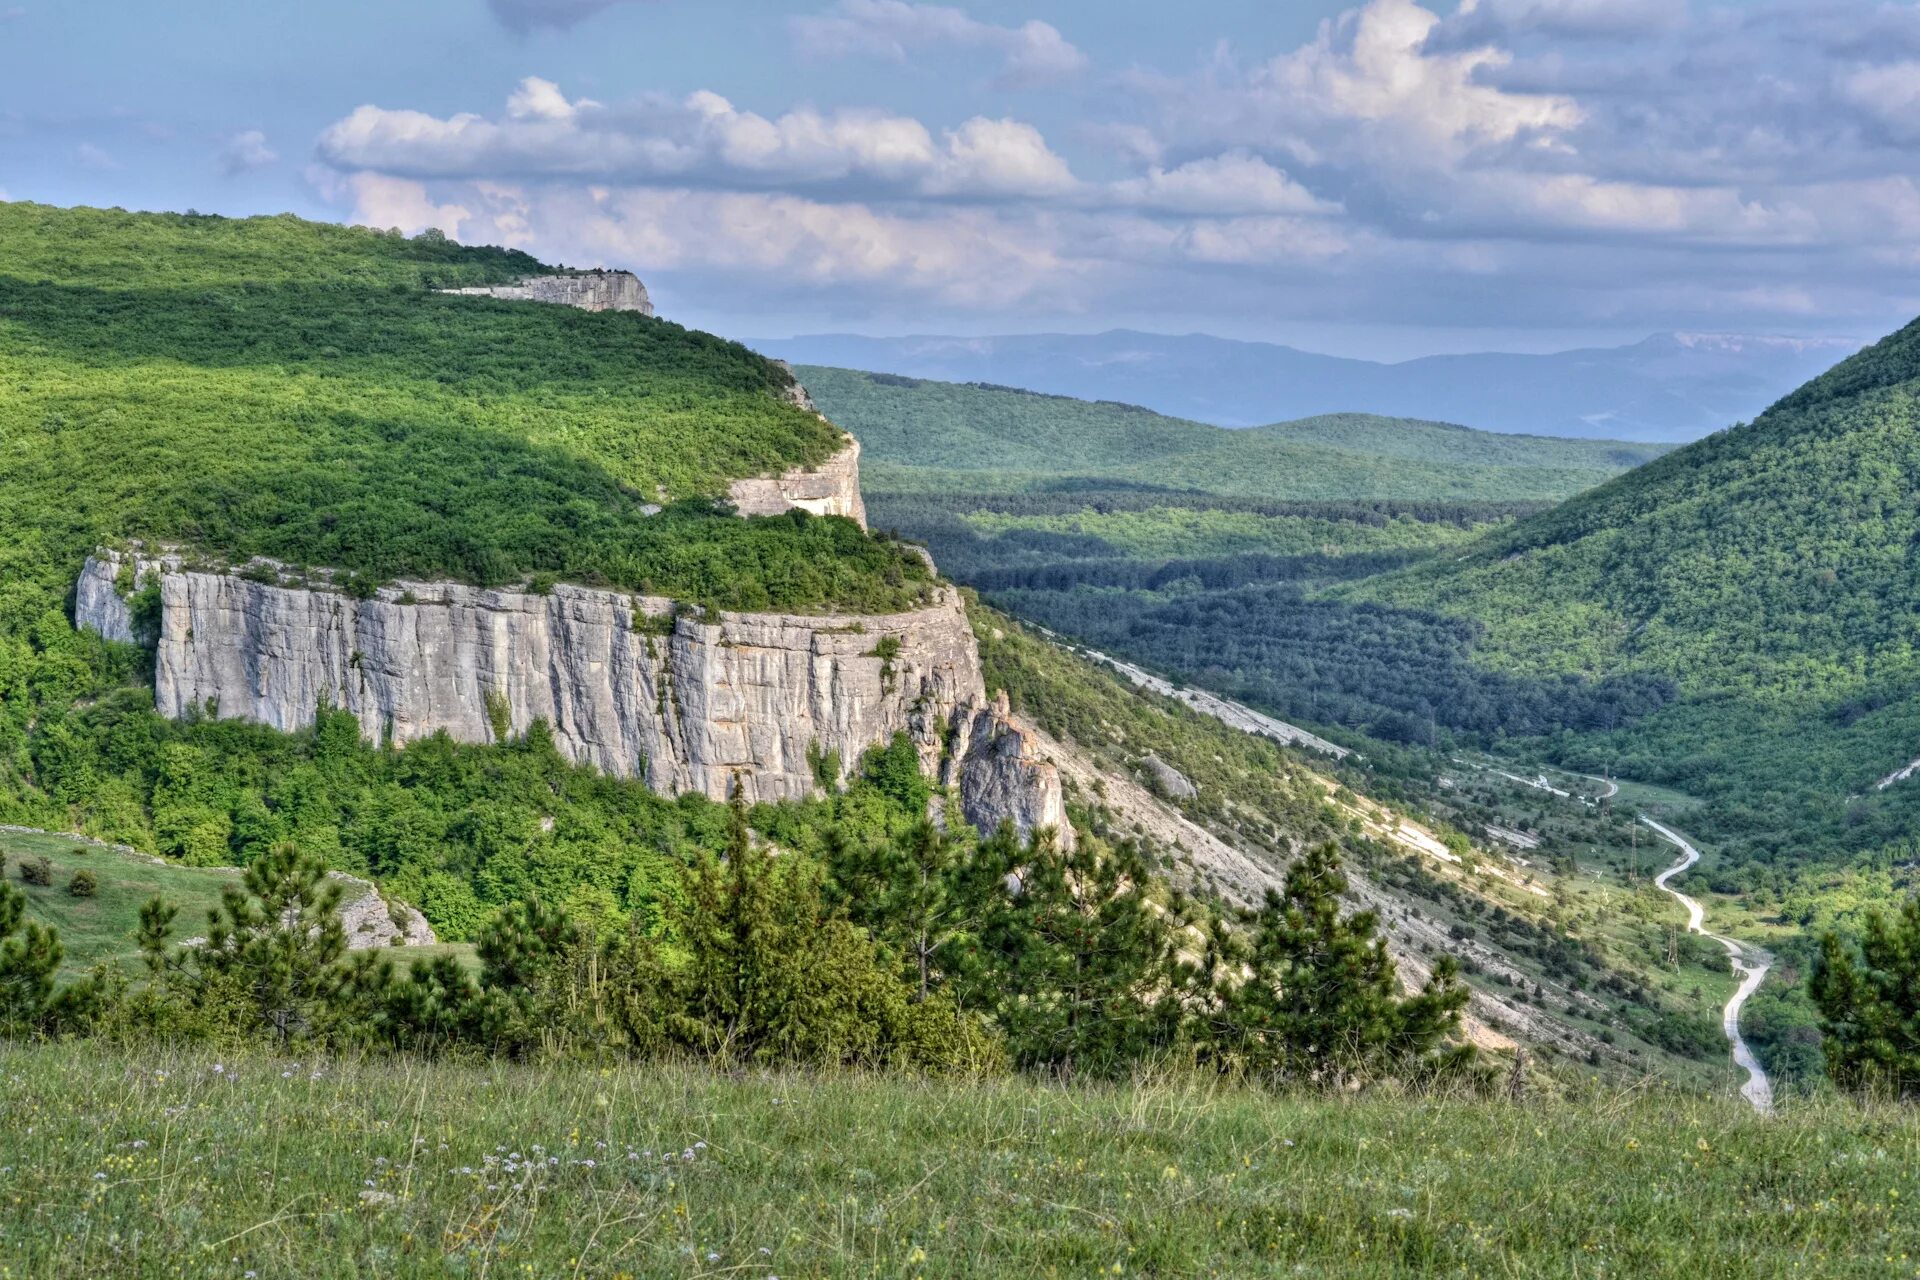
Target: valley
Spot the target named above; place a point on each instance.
(1006, 736)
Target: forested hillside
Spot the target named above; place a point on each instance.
(269, 386)
(945, 438)
(1769, 571)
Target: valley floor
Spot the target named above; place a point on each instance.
(147, 1163)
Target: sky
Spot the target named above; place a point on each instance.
(1386, 178)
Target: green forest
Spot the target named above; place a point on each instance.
(269, 386)
(949, 438)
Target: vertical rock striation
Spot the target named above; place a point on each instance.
(623, 683)
(830, 489)
(1000, 774)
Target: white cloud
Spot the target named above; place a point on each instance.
(702, 139)
(383, 202)
(246, 150)
(1889, 95)
(963, 257)
(1370, 70)
(1234, 183)
(88, 156)
(1034, 53)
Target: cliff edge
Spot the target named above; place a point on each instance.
(632, 685)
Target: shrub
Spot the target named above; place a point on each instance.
(36, 871)
(83, 884)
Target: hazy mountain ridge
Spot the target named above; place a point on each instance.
(1667, 387)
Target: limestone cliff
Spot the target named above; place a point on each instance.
(830, 489)
(590, 291)
(623, 682)
(996, 766)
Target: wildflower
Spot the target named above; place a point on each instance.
(99, 1177)
(713, 1257)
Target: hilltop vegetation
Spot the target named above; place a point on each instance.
(945, 438)
(275, 387)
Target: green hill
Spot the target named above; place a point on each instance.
(940, 437)
(269, 386)
(1769, 571)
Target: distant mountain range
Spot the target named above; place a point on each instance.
(1670, 387)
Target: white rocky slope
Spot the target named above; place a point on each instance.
(687, 703)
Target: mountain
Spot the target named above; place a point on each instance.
(936, 437)
(1669, 387)
(1770, 572)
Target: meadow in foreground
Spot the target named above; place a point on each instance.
(155, 1163)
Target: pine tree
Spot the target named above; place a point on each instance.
(910, 893)
(1869, 1002)
(763, 969)
(1076, 962)
(1306, 995)
(29, 999)
(275, 954)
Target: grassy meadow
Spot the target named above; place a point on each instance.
(149, 1163)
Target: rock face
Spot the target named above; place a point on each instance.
(1166, 780)
(622, 683)
(830, 489)
(590, 291)
(370, 921)
(1000, 774)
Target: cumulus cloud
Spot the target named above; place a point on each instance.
(1033, 53)
(89, 156)
(246, 150)
(386, 202)
(701, 139)
(526, 15)
(1236, 183)
(1889, 95)
(960, 256)
(1522, 162)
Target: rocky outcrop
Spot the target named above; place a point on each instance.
(830, 489)
(371, 921)
(796, 392)
(1168, 782)
(587, 290)
(625, 683)
(997, 767)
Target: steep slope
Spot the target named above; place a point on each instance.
(1668, 387)
(274, 387)
(337, 484)
(1769, 570)
(923, 436)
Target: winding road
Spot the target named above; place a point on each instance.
(1750, 966)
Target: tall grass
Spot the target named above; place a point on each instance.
(162, 1163)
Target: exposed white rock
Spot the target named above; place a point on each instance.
(371, 921)
(687, 703)
(830, 489)
(997, 766)
(588, 290)
(1168, 781)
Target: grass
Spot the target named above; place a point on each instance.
(148, 1163)
(101, 928)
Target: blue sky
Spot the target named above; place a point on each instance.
(1372, 177)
